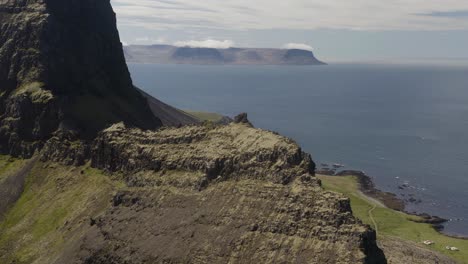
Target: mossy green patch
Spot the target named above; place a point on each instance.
(57, 202)
(9, 165)
(392, 223)
(36, 91)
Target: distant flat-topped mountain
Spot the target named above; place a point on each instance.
(166, 54)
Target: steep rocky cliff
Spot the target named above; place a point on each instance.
(125, 194)
(62, 66)
(203, 194)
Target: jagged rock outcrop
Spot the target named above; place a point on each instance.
(62, 66)
(220, 153)
(242, 119)
(66, 148)
(204, 194)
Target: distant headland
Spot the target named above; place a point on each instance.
(167, 54)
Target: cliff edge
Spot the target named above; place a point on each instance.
(62, 66)
(133, 192)
(204, 194)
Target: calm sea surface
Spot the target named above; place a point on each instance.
(399, 124)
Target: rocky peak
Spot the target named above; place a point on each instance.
(242, 119)
(62, 65)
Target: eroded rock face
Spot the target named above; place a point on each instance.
(226, 194)
(246, 221)
(62, 65)
(198, 194)
(225, 152)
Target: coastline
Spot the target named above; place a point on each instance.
(392, 224)
(390, 200)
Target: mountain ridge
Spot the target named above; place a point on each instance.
(108, 183)
(167, 54)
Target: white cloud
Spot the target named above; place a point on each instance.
(124, 43)
(300, 46)
(209, 43)
(292, 14)
(142, 39)
(148, 40)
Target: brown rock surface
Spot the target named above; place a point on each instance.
(226, 194)
(246, 221)
(224, 152)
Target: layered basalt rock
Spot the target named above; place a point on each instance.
(62, 66)
(204, 194)
(196, 194)
(224, 152)
(246, 221)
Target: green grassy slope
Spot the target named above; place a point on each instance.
(391, 223)
(8, 165)
(57, 204)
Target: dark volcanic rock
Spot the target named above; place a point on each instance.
(429, 219)
(326, 171)
(367, 186)
(62, 64)
(242, 119)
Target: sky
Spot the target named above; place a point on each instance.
(336, 30)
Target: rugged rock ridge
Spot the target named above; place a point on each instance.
(222, 153)
(219, 194)
(199, 194)
(230, 222)
(62, 65)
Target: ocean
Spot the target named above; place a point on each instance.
(402, 125)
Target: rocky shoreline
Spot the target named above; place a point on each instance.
(390, 200)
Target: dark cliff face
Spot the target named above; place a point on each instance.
(62, 65)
